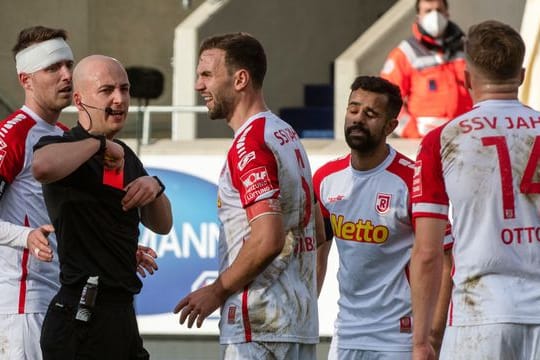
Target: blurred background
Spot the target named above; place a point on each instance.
(315, 48)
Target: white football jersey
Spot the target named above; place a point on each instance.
(370, 216)
(486, 163)
(26, 284)
(268, 161)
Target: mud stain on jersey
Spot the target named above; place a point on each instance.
(290, 243)
(470, 285)
(270, 315)
(472, 282)
(450, 154)
(4, 345)
(449, 150)
(261, 320)
(520, 150)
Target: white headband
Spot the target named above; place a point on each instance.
(41, 55)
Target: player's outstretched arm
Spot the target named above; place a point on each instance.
(259, 250)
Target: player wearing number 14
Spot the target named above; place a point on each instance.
(491, 176)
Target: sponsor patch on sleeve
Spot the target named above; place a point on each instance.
(255, 182)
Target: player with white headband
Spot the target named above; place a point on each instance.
(44, 64)
(41, 55)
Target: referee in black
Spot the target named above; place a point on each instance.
(97, 193)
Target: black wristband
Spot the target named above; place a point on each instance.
(102, 143)
(160, 184)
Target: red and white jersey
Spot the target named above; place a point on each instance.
(26, 284)
(370, 215)
(486, 163)
(267, 161)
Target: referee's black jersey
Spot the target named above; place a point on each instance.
(95, 236)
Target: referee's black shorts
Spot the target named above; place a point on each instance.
(111, 333)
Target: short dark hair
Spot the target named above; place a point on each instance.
(417, 5)
(379, 85)
(36, 34)
(495, 49)
(242, 51)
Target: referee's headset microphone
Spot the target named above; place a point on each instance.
(108, 110)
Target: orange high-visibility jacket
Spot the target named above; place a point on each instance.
(431, 79)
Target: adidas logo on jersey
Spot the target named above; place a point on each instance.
(332, 199)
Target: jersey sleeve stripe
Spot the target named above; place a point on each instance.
(430, 210)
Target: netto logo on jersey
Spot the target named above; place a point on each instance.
(361, 230)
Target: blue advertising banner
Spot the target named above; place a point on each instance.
(187, 256)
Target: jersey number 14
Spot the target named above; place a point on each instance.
(527, 185)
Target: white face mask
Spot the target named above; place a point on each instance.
(434, 23)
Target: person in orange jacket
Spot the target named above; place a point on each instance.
(429, 68)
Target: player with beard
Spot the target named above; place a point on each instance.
(365, 203)
(267, 287)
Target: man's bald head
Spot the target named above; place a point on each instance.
(91, 66)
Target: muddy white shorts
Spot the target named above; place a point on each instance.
(19, 336)
(492, 341)
(354, 354)
(268, 350)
